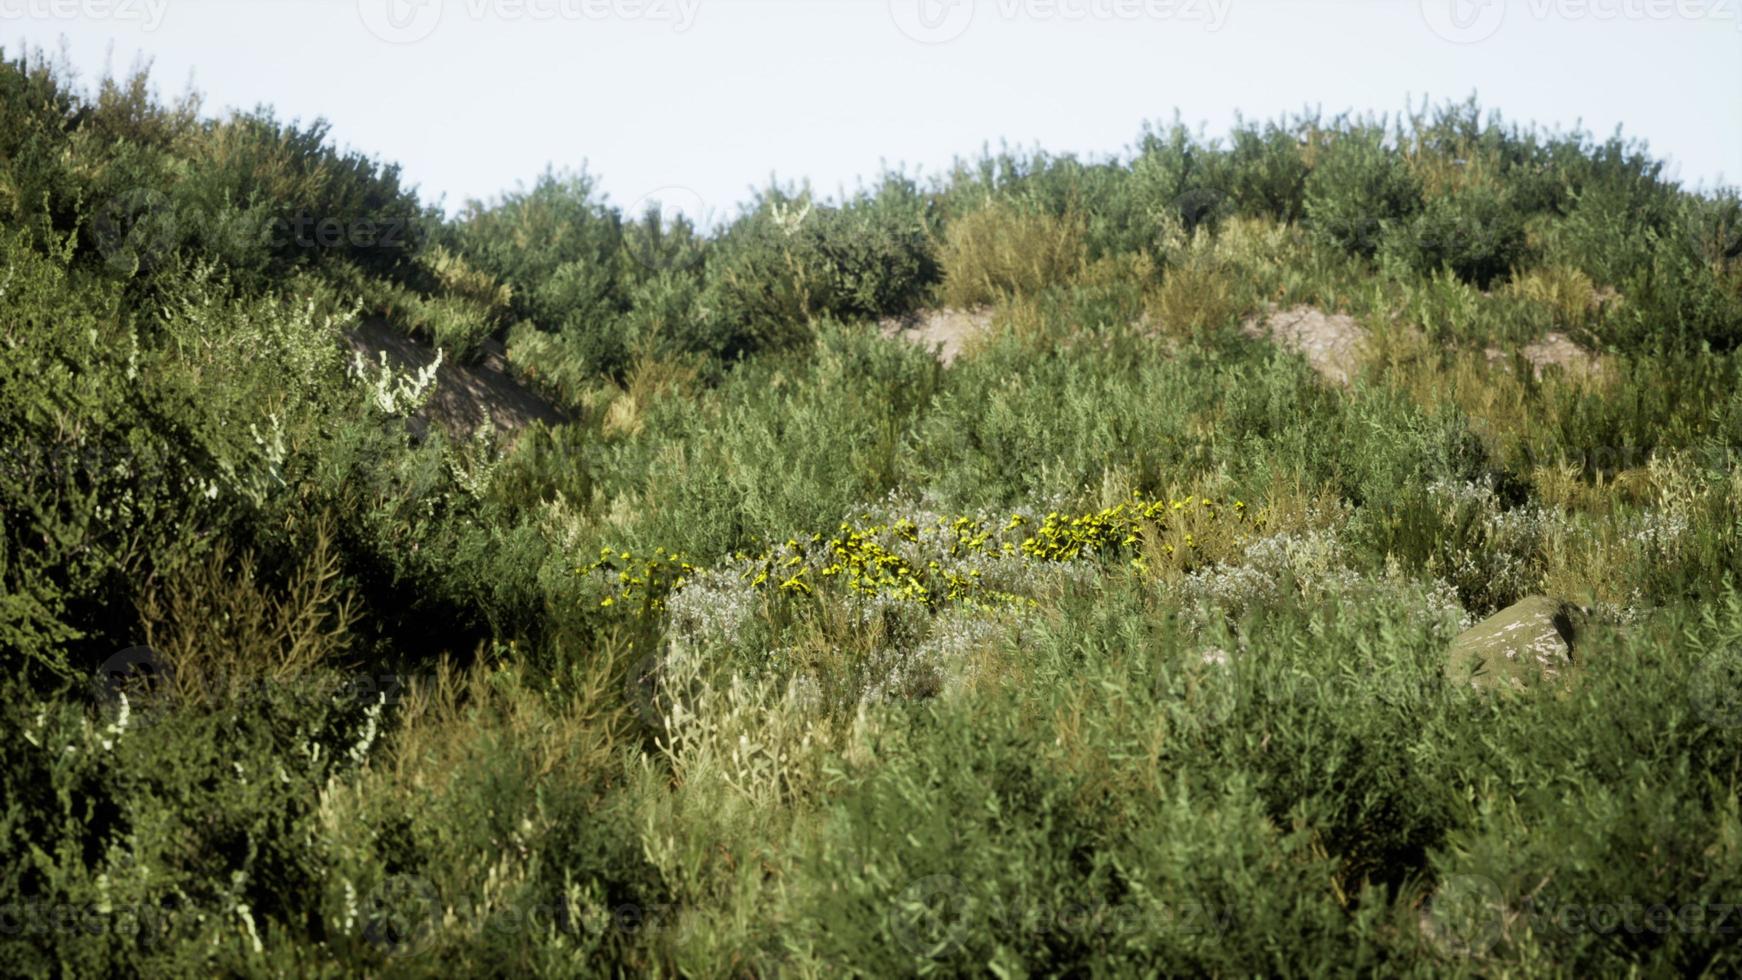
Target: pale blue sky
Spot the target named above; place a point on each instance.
(699, 100)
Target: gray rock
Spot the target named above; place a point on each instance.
(1535, 639)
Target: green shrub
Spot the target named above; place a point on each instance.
(1358, 189)
(879, 250)
(89, 507)
(793, 259)
(555, 246)
(1268, 171)
(1181, 179)
(765, 286)
(1476, 233)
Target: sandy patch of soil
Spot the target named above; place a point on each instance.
(466, 395)
(943, 332)
(1331, 342)
(1553, 350)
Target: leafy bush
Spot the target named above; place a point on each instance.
(558, 250)
(1180, 179)
(1476, 233)
(1358, 190)
(793, 259)
(269, 197)
(1268, 171)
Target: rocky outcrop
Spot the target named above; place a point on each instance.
(1535, 639)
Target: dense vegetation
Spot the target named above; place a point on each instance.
(1116, 646)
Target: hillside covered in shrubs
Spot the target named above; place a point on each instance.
(1118, 645)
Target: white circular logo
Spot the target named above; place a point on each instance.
(400, 21)
(932, 21)
(140, 673)
(653, 245)
(1464, 21)
(137, 231)
(641, 689)
(1467, 915)
(1716, 688)
(401, 913)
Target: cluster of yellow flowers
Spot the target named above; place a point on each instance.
(1065, 538)
(868, 560)
(640, 585)
(860, 559)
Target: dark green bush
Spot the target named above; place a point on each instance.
(1182, 179)
(793, 259)
(1358, 189)
(560, 251)
(1475, 233)
(1268, 170)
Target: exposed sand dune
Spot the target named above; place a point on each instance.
(466, 395)
(1332, 344)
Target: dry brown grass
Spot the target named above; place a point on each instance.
(650, 380)
(219, 628)
(456, 722)
(1195, 298)
(1568, 293)
(1003, 251)
(1502, 406)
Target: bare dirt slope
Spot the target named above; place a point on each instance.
(1331, 342)
(943, 332)
(466, 395)
(1554, 350)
